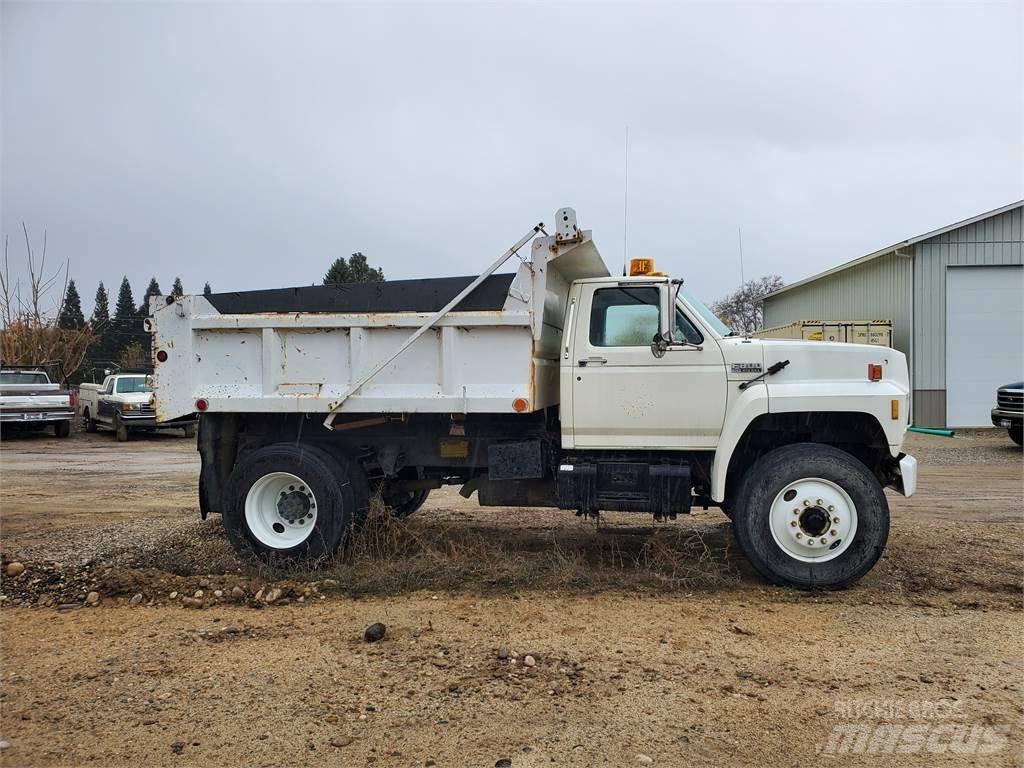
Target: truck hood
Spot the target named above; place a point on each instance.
(817, 361)
(142, 398)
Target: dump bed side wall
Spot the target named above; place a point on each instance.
(278, 363)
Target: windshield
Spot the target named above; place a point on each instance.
(23, 377)
(129, 384)
(706, 314)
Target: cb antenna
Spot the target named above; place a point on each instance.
(625, 212)
(742, 280)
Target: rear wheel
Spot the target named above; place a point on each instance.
(404, 504)
(1017, 435)
(293, 502)
(811, 516)
(62, 428)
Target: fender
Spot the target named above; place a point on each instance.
(874, 399)
(743, 407)
(871, 398)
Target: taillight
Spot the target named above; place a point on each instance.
(202, 404)
(72, 400)
(874, 372)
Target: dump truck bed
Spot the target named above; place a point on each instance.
(304, 349)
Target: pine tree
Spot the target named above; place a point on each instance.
(126, 318)
(101, 310)
(178, 289)
(101, 352)
(355, 269)
(71, 317)
(207, 290)
(153, 289)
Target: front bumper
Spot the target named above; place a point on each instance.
(905, 478)
(35, 417)
(1007, 419)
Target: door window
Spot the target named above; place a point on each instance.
(628, 317)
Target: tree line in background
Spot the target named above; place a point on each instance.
(118, 340)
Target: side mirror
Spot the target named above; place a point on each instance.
(666, 313)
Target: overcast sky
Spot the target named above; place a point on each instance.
(250, 144)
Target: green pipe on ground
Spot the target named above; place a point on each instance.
(931, 431)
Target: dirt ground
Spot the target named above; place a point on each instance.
(650, 644)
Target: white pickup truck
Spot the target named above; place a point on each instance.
(29, 400)
(560, 385)
(124, 403)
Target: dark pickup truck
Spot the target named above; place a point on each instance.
(29, 400)
(1009, 411)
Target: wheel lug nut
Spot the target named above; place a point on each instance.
(793, 523)
(810, 542)
(799, 535)
(824, 540)
(796, 511)
(832, 532)
(835, 520)
(831, 508)
(820, 502)
(807, 502)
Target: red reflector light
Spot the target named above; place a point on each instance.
(874, 372)
(72, 400)
(162, 356)
(202, 404)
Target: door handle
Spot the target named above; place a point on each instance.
(592, 361)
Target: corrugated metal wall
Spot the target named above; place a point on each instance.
(877, 290)
(998, 240)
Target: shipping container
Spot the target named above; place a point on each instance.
(877, 332)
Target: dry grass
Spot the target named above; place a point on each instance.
(386, 555)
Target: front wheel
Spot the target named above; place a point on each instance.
(120, 430)
(293, 502)
(1017, 435)
(811, 516)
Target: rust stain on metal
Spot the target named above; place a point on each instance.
(360, 423)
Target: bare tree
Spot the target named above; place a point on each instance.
(31, 334)
(743, 310)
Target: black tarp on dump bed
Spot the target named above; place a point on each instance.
(427, 295)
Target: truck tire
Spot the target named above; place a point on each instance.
(90, 423)
(293, 502)
(1017, 435)
(403, 505)
(62, 428)
(811, 516)
(120, 430)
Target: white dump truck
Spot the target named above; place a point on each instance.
(559, 385)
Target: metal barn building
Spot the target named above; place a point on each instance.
(955, 297)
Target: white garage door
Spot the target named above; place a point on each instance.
(984, 339)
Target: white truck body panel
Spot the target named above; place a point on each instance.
(468, 362)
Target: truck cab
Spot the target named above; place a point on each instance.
(560, 385)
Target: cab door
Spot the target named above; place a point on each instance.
(625, 397)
